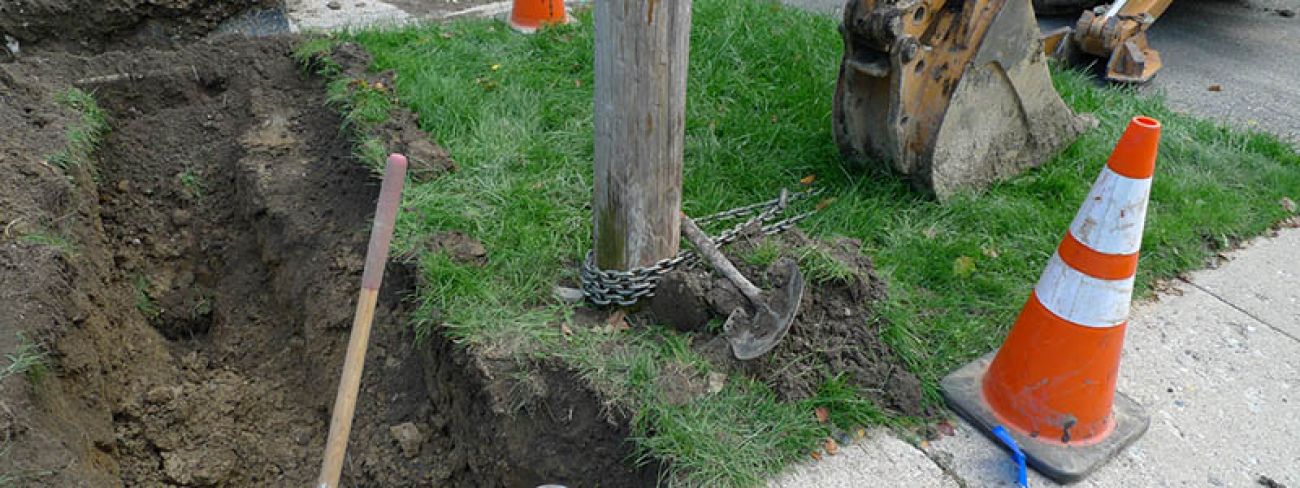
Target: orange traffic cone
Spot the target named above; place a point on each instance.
(527, 16)
(1052, 383)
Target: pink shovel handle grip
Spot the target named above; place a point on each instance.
(381, 235)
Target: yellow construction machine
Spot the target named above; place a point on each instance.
(956, 94)
(1117, 31)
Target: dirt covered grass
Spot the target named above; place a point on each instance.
(515, 114)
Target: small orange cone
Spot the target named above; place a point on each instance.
(1052, 383)
(527, 16)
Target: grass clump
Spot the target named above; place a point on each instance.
(819, 266)
(365, 104)
(192, 183)
(83, 135)
(143, 301)
(59, 243)
(29, 359)
(515, 112)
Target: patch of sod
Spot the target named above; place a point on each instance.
(84, 134)
(515, 112)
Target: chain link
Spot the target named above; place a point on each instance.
(625, 288)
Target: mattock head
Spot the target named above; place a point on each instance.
(753, 336)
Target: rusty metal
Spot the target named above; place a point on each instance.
(954, 94)
(1118, 32)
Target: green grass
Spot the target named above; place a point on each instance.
(365, 104)
(515, 112)
(29, 359)
(143, 301)
(50, 240)
(82, 135)
(192, 183)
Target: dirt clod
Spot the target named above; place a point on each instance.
(408, 437)
(679, 301)
(459, 246)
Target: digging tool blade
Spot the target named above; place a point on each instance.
(753, 336)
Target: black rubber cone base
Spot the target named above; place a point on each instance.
(1063, 464)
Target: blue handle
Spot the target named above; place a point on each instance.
(1022, 476)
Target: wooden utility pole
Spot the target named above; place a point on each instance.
(640, 115)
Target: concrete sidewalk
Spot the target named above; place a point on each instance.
(1216, 363)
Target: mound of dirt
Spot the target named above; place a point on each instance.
(836, 333)
(93, 24)
(194, 281)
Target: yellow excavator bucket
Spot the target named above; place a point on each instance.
(953, 94)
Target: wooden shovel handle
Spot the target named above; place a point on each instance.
(345, 404)
(719, 261)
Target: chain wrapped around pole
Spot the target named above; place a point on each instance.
(625, 288)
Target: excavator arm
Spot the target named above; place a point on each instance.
(1117, 31)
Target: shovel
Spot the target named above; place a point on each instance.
(752, 335)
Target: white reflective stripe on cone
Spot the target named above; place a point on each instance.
(1082, 299)
(1111, 219)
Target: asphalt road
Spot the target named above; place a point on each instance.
(1247, 47)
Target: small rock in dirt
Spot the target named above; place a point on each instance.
(1215, 87)
(181, 217)
(841, 436)
(428, 160)
(717, 381)
(303, 435)
(459, 246)
(12, 45)
(566, 295)
(159, 395)
(334, 5)
(679, 301)
(123, 186)
(199, 467)
(194, 362)
(408, 437)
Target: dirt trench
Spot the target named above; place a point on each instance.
(196, 323)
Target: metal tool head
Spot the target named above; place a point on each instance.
(753, 335)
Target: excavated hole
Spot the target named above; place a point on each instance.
(237, 217)
(238, 220)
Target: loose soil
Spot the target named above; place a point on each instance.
(837, 332)
(197, 307)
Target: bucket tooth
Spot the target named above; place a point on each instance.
(954, 95)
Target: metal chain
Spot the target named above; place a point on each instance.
(625, 288)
